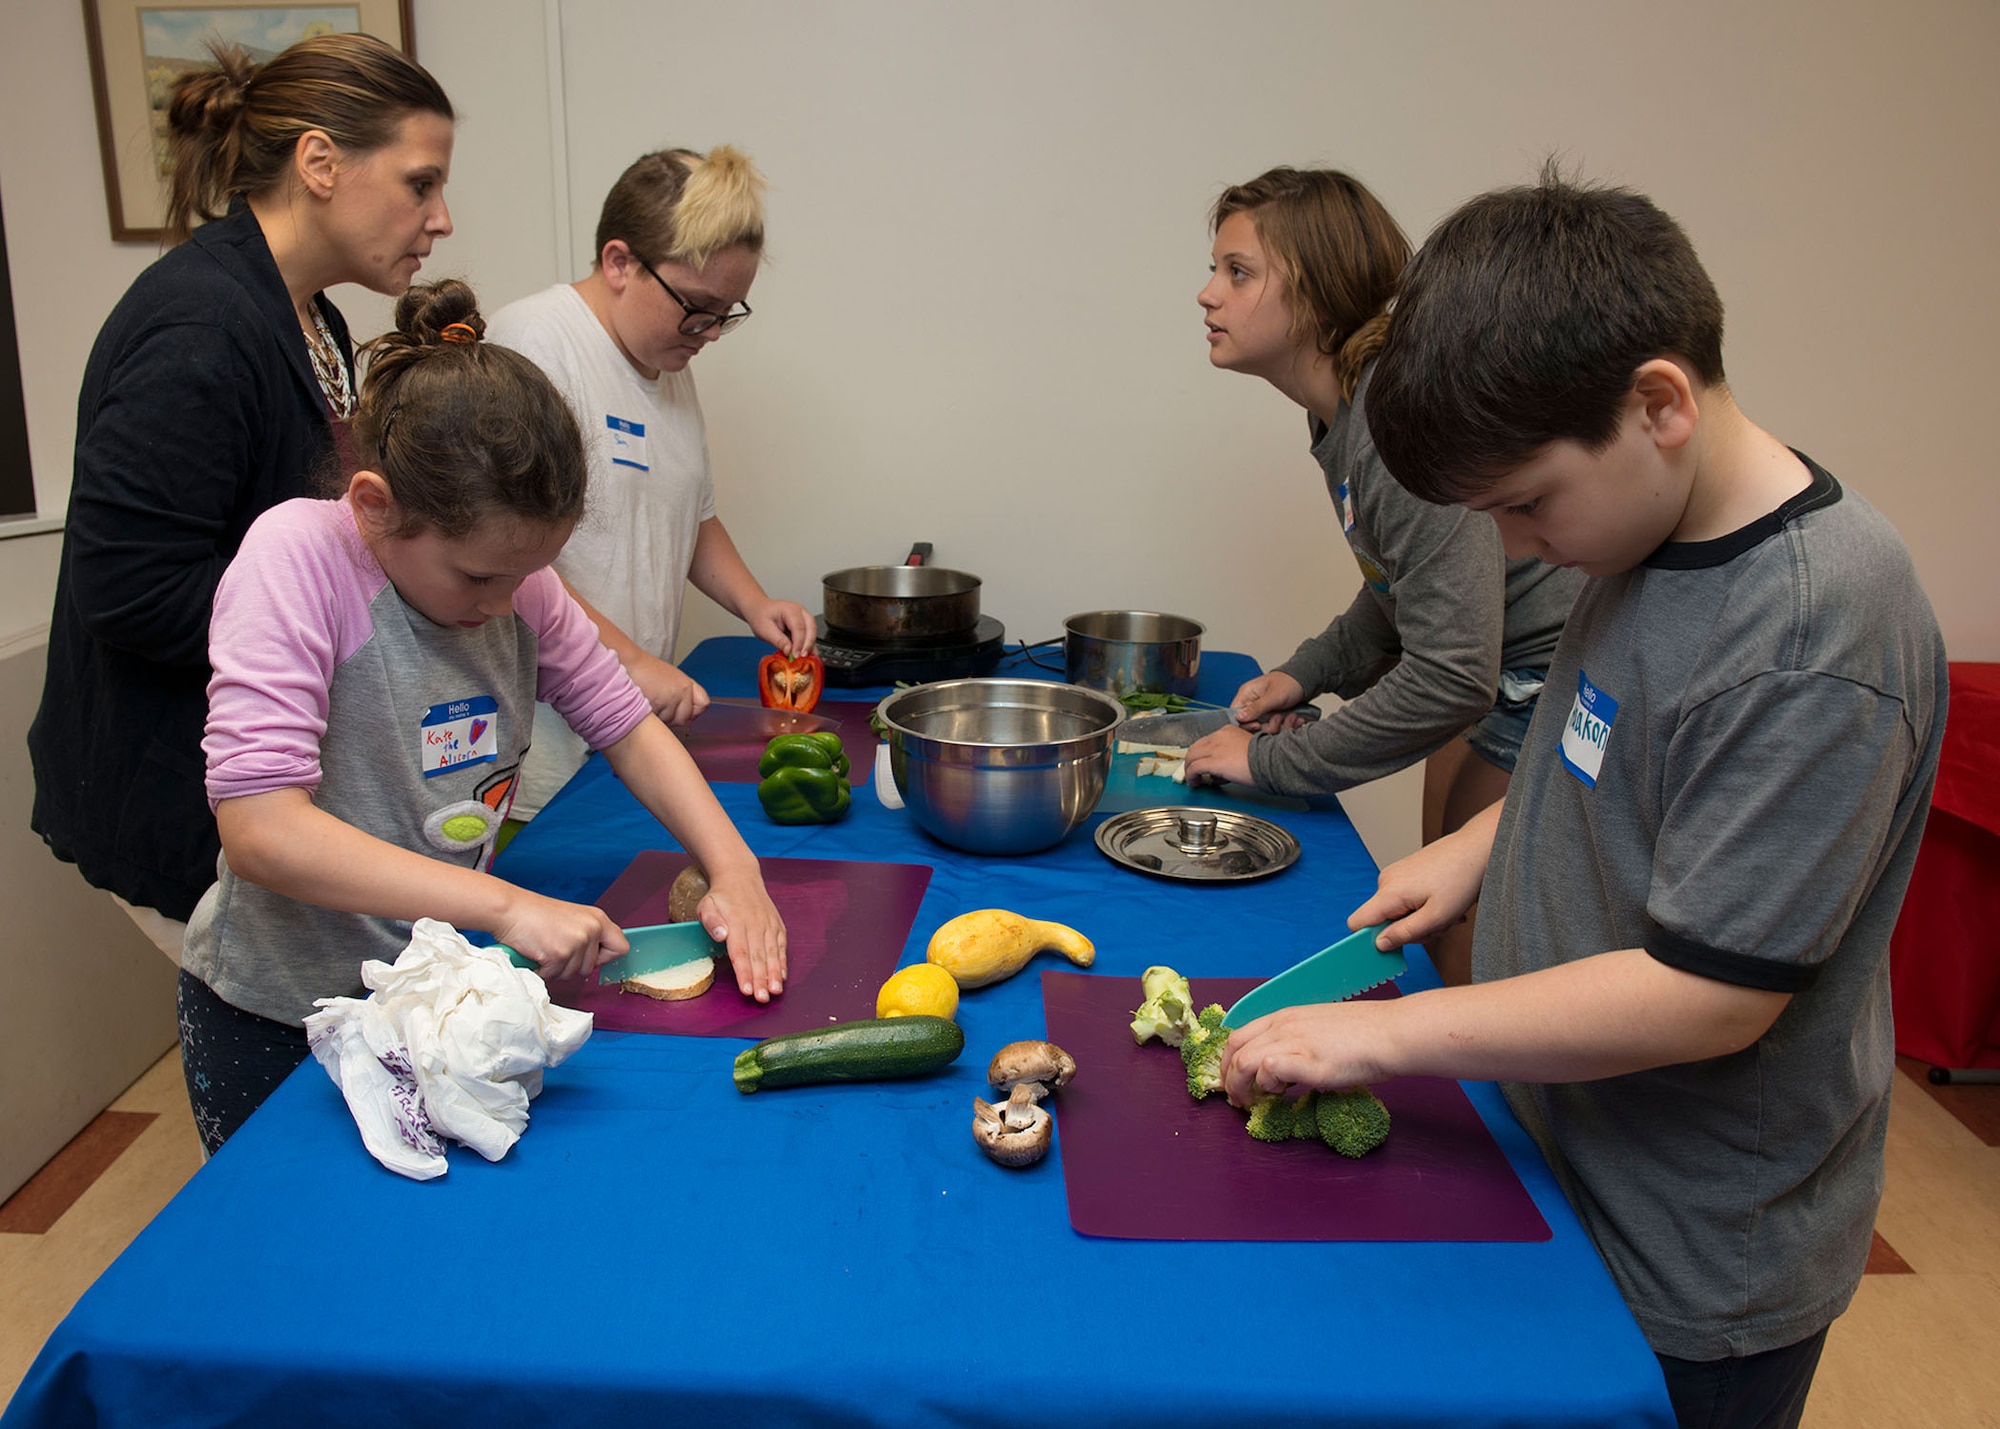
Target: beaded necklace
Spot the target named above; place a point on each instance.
(328, 368)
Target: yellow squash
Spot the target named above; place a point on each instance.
(992, 944)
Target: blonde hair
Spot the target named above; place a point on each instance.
(1338, 251)
(680, 206)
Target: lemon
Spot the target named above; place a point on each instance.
(923, 989)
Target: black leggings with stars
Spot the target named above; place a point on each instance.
(232, 1059)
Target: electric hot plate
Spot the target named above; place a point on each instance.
(857, 660)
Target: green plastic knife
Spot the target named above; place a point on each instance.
(662, 945)
(1352, 965)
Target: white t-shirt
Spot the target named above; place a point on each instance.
(650, 490)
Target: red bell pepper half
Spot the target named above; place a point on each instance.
(787, 684)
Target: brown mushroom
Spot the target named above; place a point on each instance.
(1018, 1131)
(1042, 1063)
(1012, 1137)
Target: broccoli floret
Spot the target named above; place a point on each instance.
(1202, 1051)
(1168, 1011)
(1202, 1055)
(1305, 1118)
(1272, 1119)
(1353, 1122)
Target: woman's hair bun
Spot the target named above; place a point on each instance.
(427, 309)
(210, 100)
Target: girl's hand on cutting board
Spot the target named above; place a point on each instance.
(567, 939)
(1222, 755)
(1322, 1046)
(739, 912)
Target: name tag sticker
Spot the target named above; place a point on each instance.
(628, 442)
(1587, 730)
(459, 732)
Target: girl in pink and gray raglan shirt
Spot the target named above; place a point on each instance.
(413, 732)
(377, 660)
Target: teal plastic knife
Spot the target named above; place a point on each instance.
(1352, 965)
(663, 945)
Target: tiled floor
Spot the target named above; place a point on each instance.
(1915, 1351)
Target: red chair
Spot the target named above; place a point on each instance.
(1944, 957)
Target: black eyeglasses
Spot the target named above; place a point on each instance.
(699, 320)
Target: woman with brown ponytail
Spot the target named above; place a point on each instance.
(218, 387)
(1441, 655)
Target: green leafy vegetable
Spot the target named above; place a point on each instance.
(1353, 1122)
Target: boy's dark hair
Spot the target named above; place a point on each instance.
(1521, 321)
(463, 430)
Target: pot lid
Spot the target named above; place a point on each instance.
(1197, 845)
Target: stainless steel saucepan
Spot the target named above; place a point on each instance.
(901, 604)
(1125, 652)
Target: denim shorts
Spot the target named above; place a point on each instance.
(1498, 735)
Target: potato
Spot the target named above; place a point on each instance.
(686, 894)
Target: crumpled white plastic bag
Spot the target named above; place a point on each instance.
(451, 1043)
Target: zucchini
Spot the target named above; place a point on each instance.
(871, 1050)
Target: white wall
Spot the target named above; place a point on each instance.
(977, 325)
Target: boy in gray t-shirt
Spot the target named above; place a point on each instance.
(1681, 962)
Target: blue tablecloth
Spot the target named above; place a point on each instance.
(659, 1247)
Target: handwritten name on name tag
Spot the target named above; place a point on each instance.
(457, 733)
(1587, 731)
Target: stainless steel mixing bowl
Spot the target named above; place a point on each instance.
(1000, 766)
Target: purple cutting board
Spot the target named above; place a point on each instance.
(726, 760)
(845, 925)
(1142, 1160)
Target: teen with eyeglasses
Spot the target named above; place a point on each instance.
(678, 243)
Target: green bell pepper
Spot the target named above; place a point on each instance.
(803, 779)
(803, 751)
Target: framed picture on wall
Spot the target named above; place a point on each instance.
(138, 50)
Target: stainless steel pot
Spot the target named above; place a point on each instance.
(1000, 766)
(900, 604)
(1132, 651)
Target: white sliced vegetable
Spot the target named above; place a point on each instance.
(1164, 768)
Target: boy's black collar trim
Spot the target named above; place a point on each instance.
(1695, 555)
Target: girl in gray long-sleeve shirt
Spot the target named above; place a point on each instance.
(1446, 637)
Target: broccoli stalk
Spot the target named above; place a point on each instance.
(1168, 1011)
